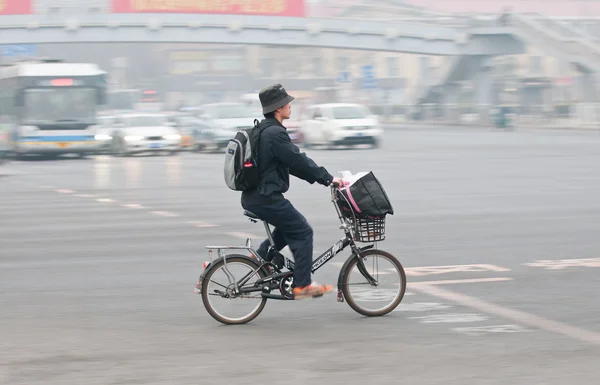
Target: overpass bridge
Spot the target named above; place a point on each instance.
(469, 46)
(423, 37)
(561, 39)
(399, 36)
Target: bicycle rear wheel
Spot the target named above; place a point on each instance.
(383, 267)
(218, 287)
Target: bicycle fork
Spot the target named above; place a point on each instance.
(356, 253)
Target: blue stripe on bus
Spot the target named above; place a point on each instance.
(57, 138)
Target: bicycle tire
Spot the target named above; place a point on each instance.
(204, 290)
(352, 303)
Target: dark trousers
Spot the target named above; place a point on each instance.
(291, 228)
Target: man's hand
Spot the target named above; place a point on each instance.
(339, 182)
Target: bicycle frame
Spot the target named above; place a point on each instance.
(329, 254)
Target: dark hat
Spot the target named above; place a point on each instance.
(273, 97)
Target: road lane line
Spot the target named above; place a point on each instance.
(560, 264)
(457, 281)
(515, 315)
(480, 330)
(133, 206)
(420, 271)
(64, 191)
(435, 270)
(164, 213)
(421, 307)
(451, 318)
(105, 200)
(201, 224)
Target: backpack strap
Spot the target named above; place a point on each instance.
(257, 147)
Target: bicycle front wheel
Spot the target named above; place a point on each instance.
(223, 300)
(383, 297)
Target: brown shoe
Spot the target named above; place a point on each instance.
(313, 290)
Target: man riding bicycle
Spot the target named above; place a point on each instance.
(278, 158)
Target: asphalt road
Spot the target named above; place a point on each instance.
(98, 259)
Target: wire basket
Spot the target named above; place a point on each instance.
(368, 229)
(365, 228)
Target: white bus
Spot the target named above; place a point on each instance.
(50, 107)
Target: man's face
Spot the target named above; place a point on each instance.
(286, 111)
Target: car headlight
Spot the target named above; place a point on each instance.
(133, 137)
(172, 137)
(103, 137)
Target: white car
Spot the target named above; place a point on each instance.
(226, 119)
(143, 133)
(340, 124)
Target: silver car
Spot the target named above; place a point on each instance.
(144, 133)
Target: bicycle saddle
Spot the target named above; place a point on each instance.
(250, 214)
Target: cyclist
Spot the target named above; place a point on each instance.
(278, 157)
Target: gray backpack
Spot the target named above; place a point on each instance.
(241, 161)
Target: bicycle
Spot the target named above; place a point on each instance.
(356, 229)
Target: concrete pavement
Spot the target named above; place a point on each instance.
(497, 232)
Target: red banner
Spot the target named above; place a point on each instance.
(225, 7)
(15, 7)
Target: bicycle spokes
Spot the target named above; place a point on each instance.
(378, 293)
(226, 297)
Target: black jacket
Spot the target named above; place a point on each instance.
(278, 157)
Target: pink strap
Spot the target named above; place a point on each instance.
(351, 198)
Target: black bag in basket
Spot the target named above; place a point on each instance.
(366, 197)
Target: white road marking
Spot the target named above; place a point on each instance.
(458, 281)
(420, 271)
(64, 191)
(480, 330)
(421, 306)
(372, 271)
(516, 315)
(201, 224)
(164, 213)
(435, 270)
(451, 318)
(376, 295)
(564, 263)
(133, 206)
(104, 200)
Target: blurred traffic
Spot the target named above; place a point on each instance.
(61, 108)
